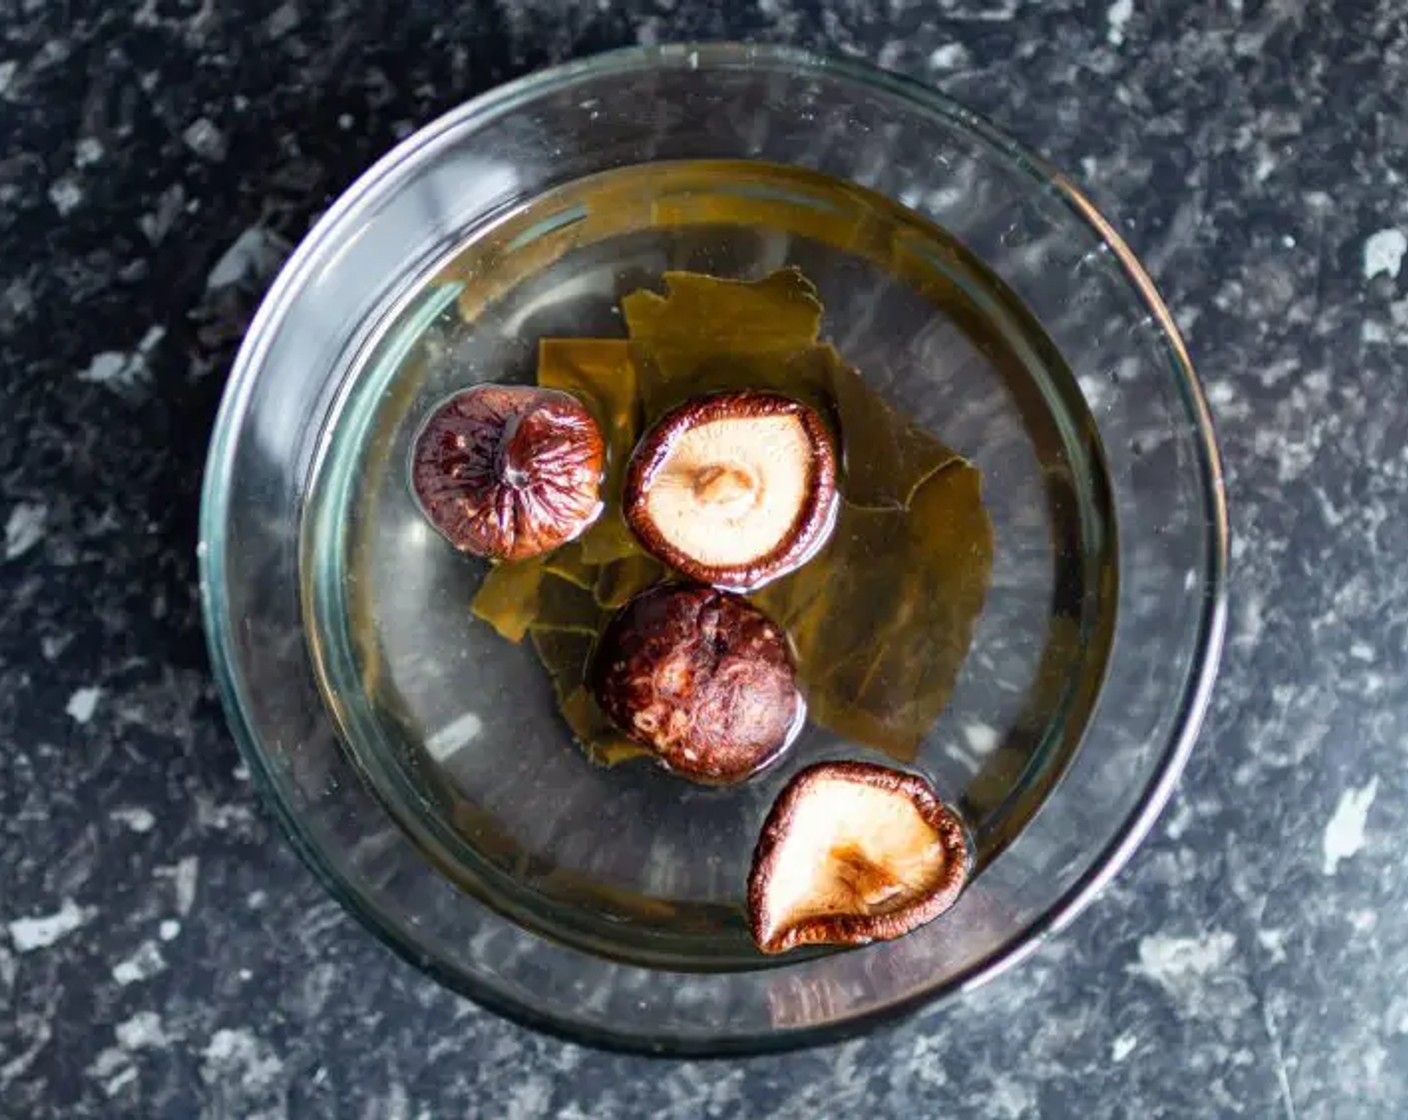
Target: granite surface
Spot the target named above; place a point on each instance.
(164, 953)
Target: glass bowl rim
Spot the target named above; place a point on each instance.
(279, 300)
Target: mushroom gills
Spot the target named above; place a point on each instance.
(734, 489)
(853, 850)
(851, 853)
(730, 491)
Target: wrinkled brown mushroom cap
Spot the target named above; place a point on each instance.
(509, 472)
(851, 853)
(701, 677)
(734, 489)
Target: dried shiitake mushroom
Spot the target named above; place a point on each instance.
(853, 852)
(734, 489)
(701, 677)
(508, 471)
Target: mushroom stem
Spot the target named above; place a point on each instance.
(870, 882)
(853, 852)
(722, 485)
(733, 489)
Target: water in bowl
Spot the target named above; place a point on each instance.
(457, 730)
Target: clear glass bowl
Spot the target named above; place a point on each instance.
(426, 778)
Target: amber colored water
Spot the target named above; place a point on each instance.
(457, 729)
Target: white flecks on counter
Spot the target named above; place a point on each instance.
(253, 255)
(1116, 17)
(1250, 619)
(1383, 253)
(115, 370)
(890, 55)
(1221, 393)
(1011, 1099)
(151, 340)
(205, 139)
(169, 930)
(28, 934)
(40, 1037)
(950, 56)
(66, 195)
(1362, 921)
(83, 703)
(157, 224)
(1123, 1047)
(285, 18)
(1274, 942)
(120, 371)
(24, 528)
(141, 1030)
(1372, 333)
(145, 963)
(1172, 962)
(137, 819)
(186, 877)
(222, 817)
(1345, 834)
(1266, 164)
(87, 151)
(113, 1067)
(393, 1104)
(239, 1054)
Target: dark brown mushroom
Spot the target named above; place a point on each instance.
(701, 677)
(734, 489)
(850, 853)
(509, 472)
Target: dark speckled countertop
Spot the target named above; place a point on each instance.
(164, 953)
